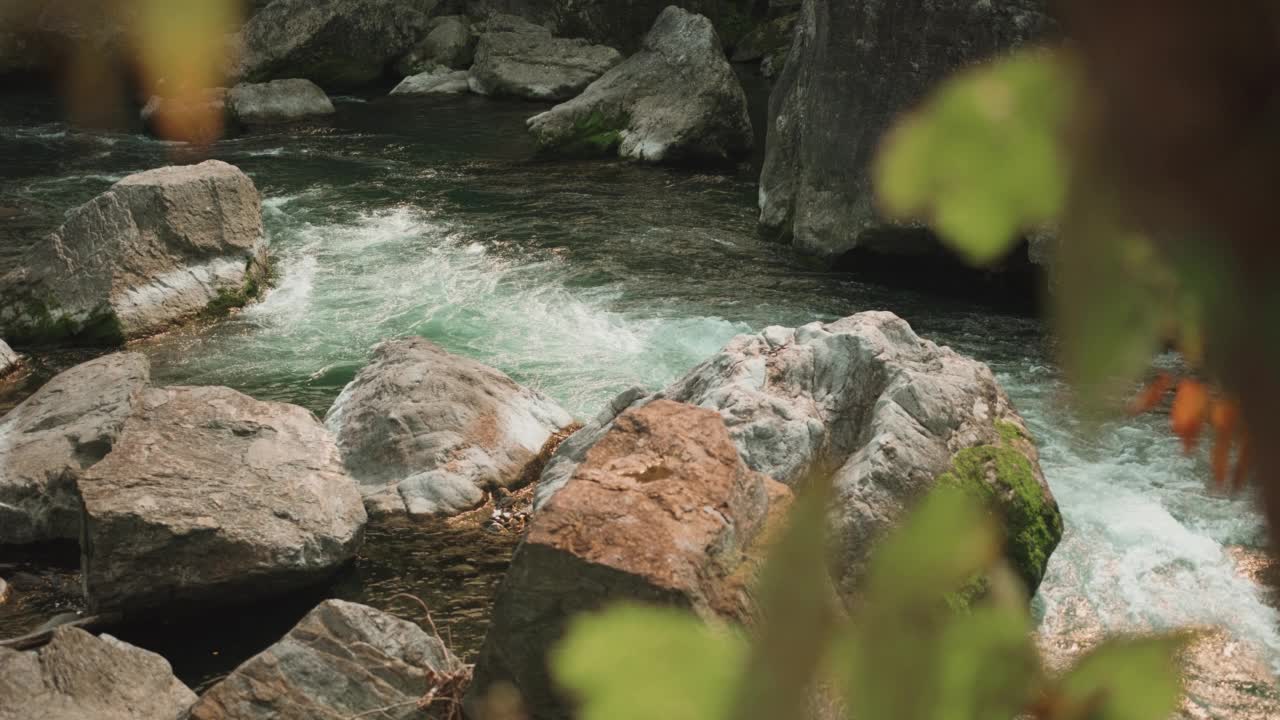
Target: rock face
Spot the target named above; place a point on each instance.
(852, 69)
(661, 509)
(156, 248)
(675, 100)
(338, 44)
(536, 66)
(427, 433)
(8, 359)
(881, 410)
(450, 44)
(342, 660)
(78, 676)
(277, 101)
(208, 493)
(53, 437)
(435, 82)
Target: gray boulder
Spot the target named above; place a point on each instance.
(54, 436)
(440, 81)
(277, 101)
(884, 412)
(338, 44)
(342, 660)
(675, 100)
(426, 432)
(158, 247)
(8, 359)
(450, 44)
(534, 66)
(77, 676)
(208, 496)
(853, 68)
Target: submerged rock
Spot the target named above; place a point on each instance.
(661, 509)
(158, 247)
(675, 100)
(277, 101)
(342, 660)
(450, 44)
(536, 66)
(209, 496)
(8, 359)
(440, 81)
(426, 432)
(78, 676)
(881, 410)
(54, 436)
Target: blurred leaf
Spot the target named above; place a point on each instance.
(988, 666)
(1189, 412)
(640, 663)
(982, 160)
(1124, 679)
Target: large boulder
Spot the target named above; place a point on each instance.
(675, 100)
(77, 676)
(450, 44)
(45, 37)
(338, 44)
(54, 436)
(426, 432)
(277, 101)
(885, 413)
(209, 496)
(158, 247)
(661, 510)
(342, 660)
(440, 81)
(8, 359)
(536, 66)
(853, 68)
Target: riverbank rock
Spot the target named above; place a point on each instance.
(342, 660)
(8, 360)
(277, 101)
(78, 676)
(535, 66)
(426, 432)
(675, 100)
(450, 44)
(440, 81)
(884, 412)
(54, 436)
(853, 68)
(766, 39)
(338, 44)
(210, 496)
(661, 510)
(158, 247)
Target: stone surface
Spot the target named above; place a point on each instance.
(766, 38)
(534, 66)
(277, 101)
(338, 44)
(209, 496)
(661, 510)
(426, 432)
(675, 100)
(880, 410)
(8, 359)
(341, 661)
(54, 436)
(41, 37)
(852, 69)
(435, 82)
(158, 247)
(78, 676)
(450, 44)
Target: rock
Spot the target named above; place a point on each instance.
(338, 44)
(6, 592)
(158, 247)
(78, 676)
(211, 496)
(42, 37)
(9, 359)
(497, 22)
(766, 39)
(885, 412)
(201, 118)
(675, 100)
(427, 433)
(533, 66)
(435, 82)
(277, 101)
(342, 660)
(450, 44)
(48, 441)
(661, 510)
(854, 67)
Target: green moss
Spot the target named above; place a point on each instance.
(43, 324)
(258, 277)
(595, 135)
(1009, 433)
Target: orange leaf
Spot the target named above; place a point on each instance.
(1152, 394)
(1223, 416)
(1190, 408)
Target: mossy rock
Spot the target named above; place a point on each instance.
(595, 135)
(259, 275)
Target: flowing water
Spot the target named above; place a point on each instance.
(434, 218)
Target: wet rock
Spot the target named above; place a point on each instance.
(675, 100)
(885, 413)
(661, 510)
(78, 676)
(426, 432)
(440, 81)
(277, 101)
(854, 67)
(209, 496)
(342, 660)
(8, 359)
(158, 247)
(54, 436)
(450, 44)
(536, 66)
(766, 38)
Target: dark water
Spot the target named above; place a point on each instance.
(434, 217)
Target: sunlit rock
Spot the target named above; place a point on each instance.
(277, 101)
(535, 66)
(8, 359)
(440, 81)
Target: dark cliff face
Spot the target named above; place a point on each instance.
(854, 66)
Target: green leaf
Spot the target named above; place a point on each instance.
(1125, 679)
(982, 160)
(641, 663)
